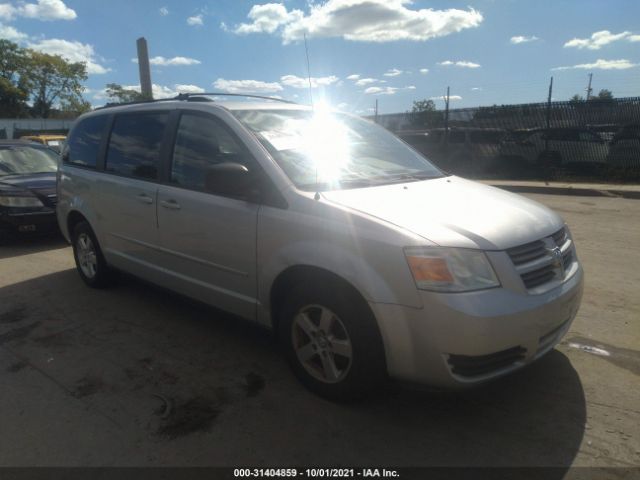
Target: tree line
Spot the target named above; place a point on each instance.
(35, 84)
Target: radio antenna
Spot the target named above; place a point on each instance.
(306, 51)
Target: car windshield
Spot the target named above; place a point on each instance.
(330, 151)
(23, 159)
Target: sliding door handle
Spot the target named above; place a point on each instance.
(170, 204)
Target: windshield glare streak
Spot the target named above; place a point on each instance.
(328, 151)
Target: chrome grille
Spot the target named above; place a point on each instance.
(526, 253)
(539, 262)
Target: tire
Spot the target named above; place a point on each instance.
(90, 262)
(328, 370)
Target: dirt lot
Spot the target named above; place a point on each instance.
(137, 376)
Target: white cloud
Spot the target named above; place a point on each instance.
(476, 89)
(424, 71)
(10, 33)
(366, 81)
(179, 88)
(461, 64)
(195, 20)
(247, 86)
(164, 11)
(171, 62)
(42, 10)
(452, 98)
(386, 90)
(601, 64)
(342, 106)
(597, 40)
(301, 82)
(523, 39)
(394, 72)
(72, 51)
(381, 90)
(634, 38)
(358, 20)
(355, 76)
(268, 18)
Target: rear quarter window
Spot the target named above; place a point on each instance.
(84, 142)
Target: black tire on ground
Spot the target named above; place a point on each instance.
(84, 242)
(364, 371)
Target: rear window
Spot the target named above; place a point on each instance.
(134, 144)
(84, 141)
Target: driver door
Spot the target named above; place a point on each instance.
(208, 238)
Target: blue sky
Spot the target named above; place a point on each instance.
(395, 51)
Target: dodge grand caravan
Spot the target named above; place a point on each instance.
(368, 261)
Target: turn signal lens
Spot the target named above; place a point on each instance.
(450, 269)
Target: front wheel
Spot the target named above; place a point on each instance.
(332, 342)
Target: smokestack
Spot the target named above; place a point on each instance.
(143, 65)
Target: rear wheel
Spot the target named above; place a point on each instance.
(332, 342)
(89, 259)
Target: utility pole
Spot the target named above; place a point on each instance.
(376, 110)
(446, 121)
(546, 137)
(143, 67)
(589, 89)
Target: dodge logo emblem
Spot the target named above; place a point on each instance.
(557, 260)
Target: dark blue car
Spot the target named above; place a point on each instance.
(27, 188)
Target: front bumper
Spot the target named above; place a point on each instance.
(463, 339)
(35, 222)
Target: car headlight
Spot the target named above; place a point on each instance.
(450, 269)
(15, 201)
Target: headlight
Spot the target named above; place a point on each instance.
(450, 269)
(19, 202)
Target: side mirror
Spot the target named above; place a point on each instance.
(231, 179)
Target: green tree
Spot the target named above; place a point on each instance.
(424, 114)
(119, 94)
(73, 107)
(577, 98)
(55, 81)
(605, 94)
(14, 82)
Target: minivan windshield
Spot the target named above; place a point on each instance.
(323, 150)
(24, 160)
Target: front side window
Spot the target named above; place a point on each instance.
(84, 142)
(327, 151)
(202, 142)
(24, 160)
(134, 145)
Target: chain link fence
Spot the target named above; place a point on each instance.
(598, 139)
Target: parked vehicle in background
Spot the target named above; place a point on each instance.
(556, 147)
(27, 188)
(52, 141)
(624, 150)
(366, 259)
(463, 151)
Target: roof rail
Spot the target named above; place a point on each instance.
(190, 96)
(195, 97)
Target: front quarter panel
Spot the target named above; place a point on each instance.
(364, 251)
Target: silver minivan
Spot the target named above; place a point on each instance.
(366, 260)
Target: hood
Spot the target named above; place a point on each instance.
(454, 212)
